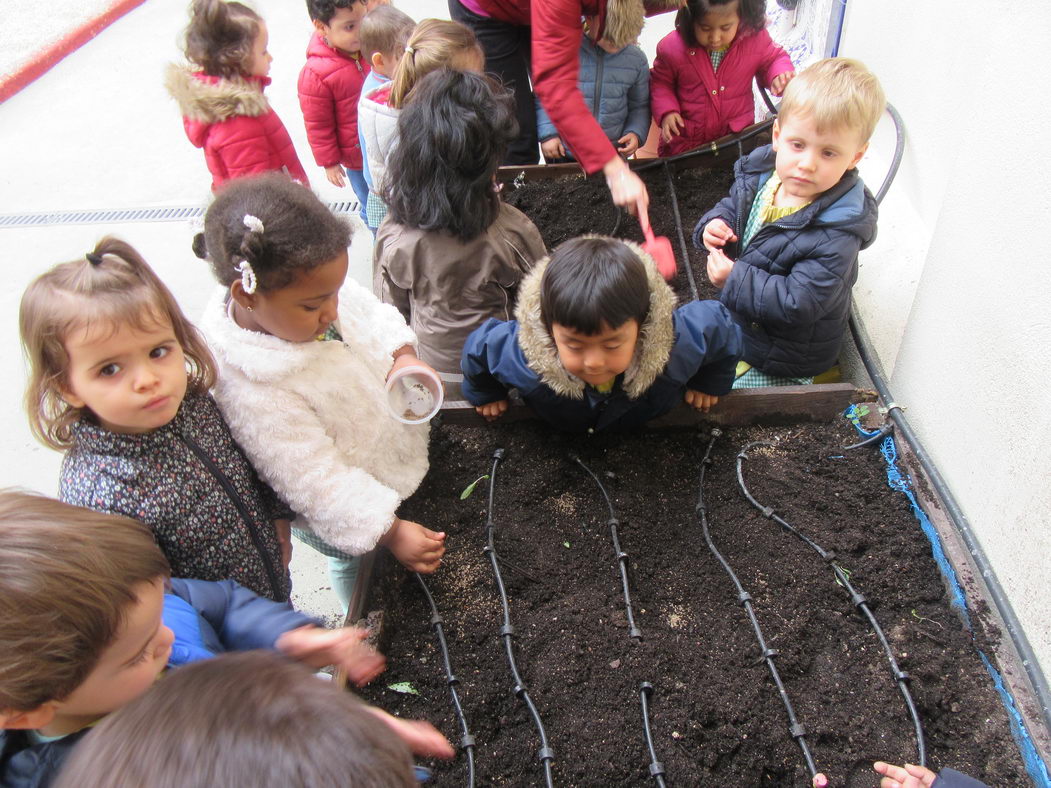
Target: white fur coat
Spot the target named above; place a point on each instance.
(313, 418)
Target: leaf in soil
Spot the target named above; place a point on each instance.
(470, 487)
(404, 687)
(565, 544)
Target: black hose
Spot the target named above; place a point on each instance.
(656, 767)
(712, 149)
(766, 654)
(467, 742)
(901, 678)
(678, 229)
(545, 754)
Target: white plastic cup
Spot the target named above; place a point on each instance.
(414, 395)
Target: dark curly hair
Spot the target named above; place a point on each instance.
(323, 10)
(452, 136)
(751, 12)
(298, 232)
(220, 35)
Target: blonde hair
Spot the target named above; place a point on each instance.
(67, 584)
(836, 93)
(434, 44)
(111, 284)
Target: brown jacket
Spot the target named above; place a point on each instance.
(446, 288)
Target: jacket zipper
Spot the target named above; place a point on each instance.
(231, 493)
(601, 64)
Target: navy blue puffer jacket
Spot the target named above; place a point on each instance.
(790, 289)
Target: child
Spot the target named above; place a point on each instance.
(615, 83)
(312, 415)
(450, 253)
(701, 84)
(795, 219)
(329, 88)
(87, 620)
(598, 343)
(119, 380)
(384, 33)
(222, 103)
(434, 44)
(250, 713)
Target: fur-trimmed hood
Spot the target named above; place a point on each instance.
(206, 99)
(624, 18)
(656, 335)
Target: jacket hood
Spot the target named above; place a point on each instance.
(206, 99)
(656, 335)
(624, 18)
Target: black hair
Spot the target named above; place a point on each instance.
(751, 12)
(452, 136)
(323, 10)
(295, 232)
(592, 283)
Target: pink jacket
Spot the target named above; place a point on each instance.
(712, 103)
(329, 88)
(234, 124)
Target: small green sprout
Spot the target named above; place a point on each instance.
(404, 687)
(918, 617)
(845, 571)
(470, 487)
(566, 545)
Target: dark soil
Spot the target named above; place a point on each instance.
(568, 207)
(716, 716)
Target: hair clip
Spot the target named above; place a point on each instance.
(248, 280)
(409, 50)
(253, 223)
(94, 258)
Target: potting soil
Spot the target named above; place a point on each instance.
(715, 714)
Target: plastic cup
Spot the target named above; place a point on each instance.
(414, 395)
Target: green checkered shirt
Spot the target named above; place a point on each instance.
(717, 56)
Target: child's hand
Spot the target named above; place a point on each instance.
(671, 126)
(409, 359)
(283, 530)
(335, 174)
(908, 777)
(780, 82)
(717, 234)
(553, 149)
(418, 549)
(628, 144)
(719, 267)
(699, 400)
(491, 411)
(421, 737)
(345, 648)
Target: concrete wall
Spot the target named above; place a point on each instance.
(955, 293)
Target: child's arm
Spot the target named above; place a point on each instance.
(397, 273)
(483, 356)
(776, 69)
(319, 116)
(708, 234)
(545, 129)
(377, 328)
(664, 101)
(708, 346)
(638, 120)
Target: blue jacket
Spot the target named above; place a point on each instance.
(790, 289)
(208, 618)
(616, 89)
(695, 346)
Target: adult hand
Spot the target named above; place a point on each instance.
(671, 126)
(716, 234)
(719, 267)
(628, 144)
(335, 175)
(625, 187)
(553, 149)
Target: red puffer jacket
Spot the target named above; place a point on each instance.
(234, 124)
(329, 87)
(556, 35)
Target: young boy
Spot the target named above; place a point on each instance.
(87, 620)
(598, 343)
(797, 215)
(329, 87)
(384, 33)
(616, 85)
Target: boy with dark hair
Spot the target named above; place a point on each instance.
(87, 620)
(254, 714)
(598, 343)
(329, 87)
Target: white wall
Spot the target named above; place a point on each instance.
(955, 293)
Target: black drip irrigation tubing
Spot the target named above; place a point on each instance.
(678, 229)
(901, 678)
(467, 741)
(766, 654)
(656, 767)
(546, 755)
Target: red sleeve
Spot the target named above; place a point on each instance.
(663, 78)
(557, 33)
(319, 117)
(775, 60)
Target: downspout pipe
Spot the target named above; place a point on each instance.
(959, 520)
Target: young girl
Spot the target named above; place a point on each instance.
(451, 253)
(434, 44)
(701, 82)
(303, 354)
(221, 96)
(119, 380)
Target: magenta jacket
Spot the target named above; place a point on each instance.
(712, 103)
(329, 88)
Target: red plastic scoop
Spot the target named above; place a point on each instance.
(658, 247)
